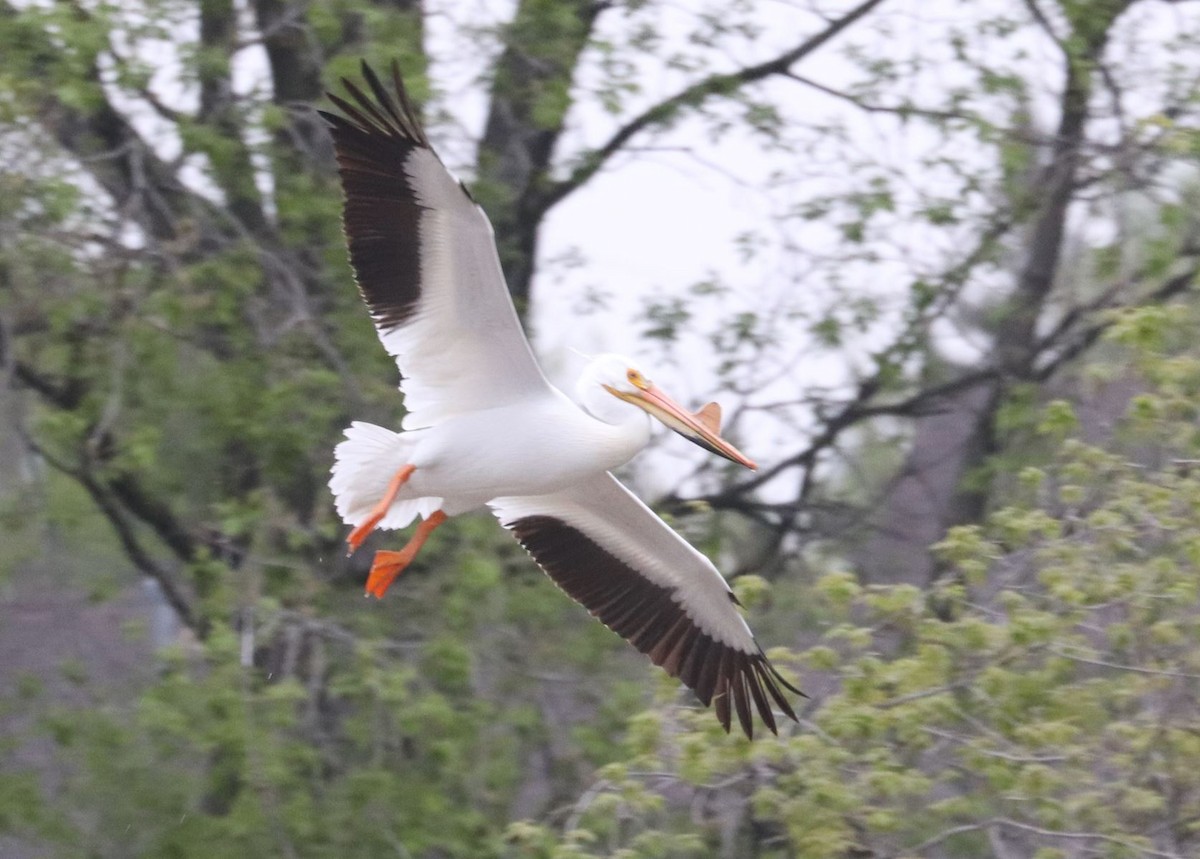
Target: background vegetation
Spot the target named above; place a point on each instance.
(961, 341)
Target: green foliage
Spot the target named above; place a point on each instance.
(201, 382)
(1046, 688)
(188, 369)
(219, 758)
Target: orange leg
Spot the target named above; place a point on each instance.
(388, 565)
(380, 510)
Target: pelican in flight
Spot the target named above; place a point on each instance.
(485, 427)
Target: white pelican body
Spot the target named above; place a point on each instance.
(484, 427)
(532, 447)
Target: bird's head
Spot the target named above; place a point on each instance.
(622, 378)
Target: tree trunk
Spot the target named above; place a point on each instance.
(930, 494)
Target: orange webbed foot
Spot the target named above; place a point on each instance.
(384, 570)
(388, 565)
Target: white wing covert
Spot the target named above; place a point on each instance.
(611, 553)
(425, 260)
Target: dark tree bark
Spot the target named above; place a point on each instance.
(930, 494)
(527, 114)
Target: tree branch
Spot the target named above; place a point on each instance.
(230, 161)
(716, 84)
(528, 111)
(174, 590)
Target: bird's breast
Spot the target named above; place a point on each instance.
(530, 448)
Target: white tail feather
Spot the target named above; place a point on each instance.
(364, 464)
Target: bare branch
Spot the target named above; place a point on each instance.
(716, 84)
(902, 110)
(175, 591)
(1083, 836)
(1039, 16)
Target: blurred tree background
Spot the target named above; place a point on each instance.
(962, 345)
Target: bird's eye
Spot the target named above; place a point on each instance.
(636, 379)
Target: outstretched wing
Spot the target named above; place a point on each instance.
(613, 555)
(424, 256)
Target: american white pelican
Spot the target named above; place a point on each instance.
(484, 427)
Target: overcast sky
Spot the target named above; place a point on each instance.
(668, 214)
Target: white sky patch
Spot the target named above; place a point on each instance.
(660, 219)
(670, 213)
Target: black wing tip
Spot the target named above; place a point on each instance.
(743, 689)
(383, 112)
(775, 673)
(383, 98)
(332, 119)
(372, 78)
(720, 675)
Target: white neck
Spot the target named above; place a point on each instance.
(622, 428)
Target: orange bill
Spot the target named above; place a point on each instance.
(702, 427)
